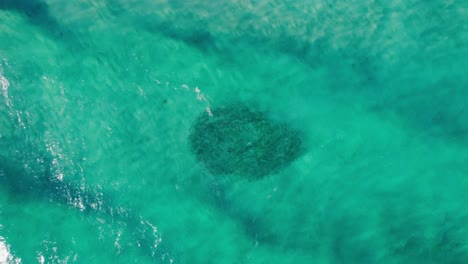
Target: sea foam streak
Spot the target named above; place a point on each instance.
(5, 254)
(4, 84)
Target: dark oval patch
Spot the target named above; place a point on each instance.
(235, 140)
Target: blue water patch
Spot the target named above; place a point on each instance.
(233, 132)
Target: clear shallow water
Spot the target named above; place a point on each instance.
(98, 99)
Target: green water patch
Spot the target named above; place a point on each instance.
(236, 140)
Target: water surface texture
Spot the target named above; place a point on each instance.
(247, 131)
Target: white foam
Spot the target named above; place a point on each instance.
(201, 97)
(4, 252)
(117, 242)
(41, 259)
(5, 255)
(4, 84)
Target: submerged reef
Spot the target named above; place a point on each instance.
(235, 140)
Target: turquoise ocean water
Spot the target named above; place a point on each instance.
(98, 99)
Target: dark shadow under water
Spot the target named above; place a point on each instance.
(35, 179)
(37, 13)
